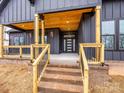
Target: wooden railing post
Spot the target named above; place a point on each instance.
(35, 79)
(102, 54)
(1, 40)
(20, 52)
(98, 28)
(49, 54)
(84, 69)
(86, 81)
(36, 34)
(32, 53)
(43, 29)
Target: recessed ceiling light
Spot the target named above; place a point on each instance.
(67, 22)
(23, 25)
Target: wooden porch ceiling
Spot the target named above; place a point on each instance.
(66, 21)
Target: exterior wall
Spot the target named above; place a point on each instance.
(43, 6)
(17, 11)
(54, 40)
(113, 10)
(28, 38)
(86, 32)
(3, 4)
(21, 11)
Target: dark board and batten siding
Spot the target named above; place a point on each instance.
(113, 10)
(43, 6)
(86, 32)
(3, 4)
(17, 11)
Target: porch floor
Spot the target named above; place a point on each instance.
(64, 59)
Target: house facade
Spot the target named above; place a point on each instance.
(67, 24)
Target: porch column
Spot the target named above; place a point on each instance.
(1, 40)
(36, 32)
(98, 25)
(43, 29)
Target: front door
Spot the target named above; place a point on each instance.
(69, 43)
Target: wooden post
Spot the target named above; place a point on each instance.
(98, 25)
(20, 52)
(43, 30)
(49, 54)
(36, 34)
(102, 55)
(1, 40)
(86, 81)
(32, 53)
(35, 79)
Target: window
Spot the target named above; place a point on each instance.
(121, 36)
(22, 41)
(108, 34)
(16, 40)
(19, 41)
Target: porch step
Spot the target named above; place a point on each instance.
(61, 79)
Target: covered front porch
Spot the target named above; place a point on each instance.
(62, 30)
(47, 41)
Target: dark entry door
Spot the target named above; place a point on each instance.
(69, 43)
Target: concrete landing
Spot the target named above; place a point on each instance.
(65, 59)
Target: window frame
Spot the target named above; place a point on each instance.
(114, 35)
(120, 35)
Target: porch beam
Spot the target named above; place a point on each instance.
(1, 40)
(36, 32)
(98, 28)
(43, 29)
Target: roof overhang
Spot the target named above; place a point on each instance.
(65, 21)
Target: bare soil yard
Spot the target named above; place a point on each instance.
(101, 82)
(17, 78)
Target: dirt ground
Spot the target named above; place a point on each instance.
(101, 82)
(17, 78)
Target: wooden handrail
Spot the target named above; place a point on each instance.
(84, 62)
(20, 47)
(41, 55)
(84, 70)
(36, 78)
(100, 59)
(17, 46)
(91, 45)
(46, 48)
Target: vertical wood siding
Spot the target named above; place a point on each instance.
(17, 11)
(28, 39)
(86, 32)
(21, 10)
(54, 5)
(113, 10)
(54, 41)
